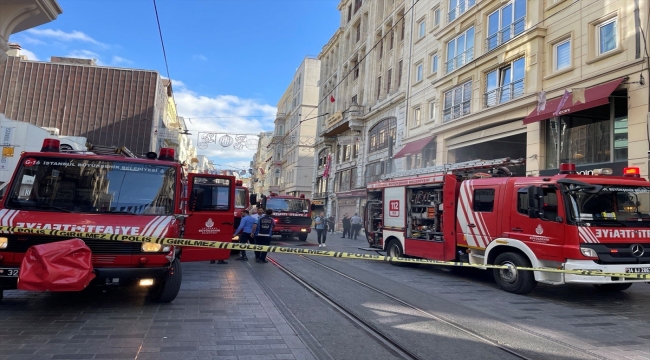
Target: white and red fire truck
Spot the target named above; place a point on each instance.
(478, 212)
(292, 214)
(111, 191)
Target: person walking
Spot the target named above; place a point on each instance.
(330, 223)
(263, 231)
(355, 221)
(321, 229)
(245, 229)
(346, 226)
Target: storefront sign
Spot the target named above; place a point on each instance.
(617, 168)
(338, 116)
(318, 202)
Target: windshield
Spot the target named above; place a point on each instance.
(287, 205)
(613, 204)
(241, 199)
(93, 186)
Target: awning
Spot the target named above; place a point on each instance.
(414, 147)
(594, 96)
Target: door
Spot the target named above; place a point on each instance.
(211, 215)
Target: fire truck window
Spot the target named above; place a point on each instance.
(484, 200)
(549, 205)
(522, 201)
(240, 198)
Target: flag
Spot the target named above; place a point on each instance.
(562, 102)
(328, 162)
(578, 95)
(262, 171)
(541, 102)
(332, 98)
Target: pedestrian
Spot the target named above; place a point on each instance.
(263, 231)
(321, 229)
(330, 223)
(346, 226)
(245, 229)
(259, 213)
(355, 221)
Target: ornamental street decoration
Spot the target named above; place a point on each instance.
(226, 140)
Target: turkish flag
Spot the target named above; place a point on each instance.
(332, 98)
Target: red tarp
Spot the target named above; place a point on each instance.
(58, 266)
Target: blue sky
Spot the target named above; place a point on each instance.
(227, 58)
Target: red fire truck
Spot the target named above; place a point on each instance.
(112, 191)
(292, 215)
(477, 212)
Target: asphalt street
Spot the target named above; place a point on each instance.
(249, 310)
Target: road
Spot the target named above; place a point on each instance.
(299, 307)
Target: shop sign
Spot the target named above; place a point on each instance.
(338, 116)
(318, 202)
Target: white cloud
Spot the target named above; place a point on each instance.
(118, 60)
(65, 36)
(31, 40)
(30, 55)
(199, 57)
(223, 114)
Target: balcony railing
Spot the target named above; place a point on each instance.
(457, 11)
(320, 195)
(504, 93)
(506, 33)
(460, 60)
(456, 111)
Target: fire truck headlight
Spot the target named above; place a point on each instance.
(588, 252)
(152, 247)
(4, 242)
(303, 230)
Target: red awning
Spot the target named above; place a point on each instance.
(414, 147)
(594, 96)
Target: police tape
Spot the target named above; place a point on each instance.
(299, 251)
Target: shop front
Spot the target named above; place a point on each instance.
(592, 133)
(506, 140)
(348, 203)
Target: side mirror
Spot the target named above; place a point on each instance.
(535, 196)
(253, 199)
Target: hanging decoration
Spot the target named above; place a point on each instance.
(226, 140)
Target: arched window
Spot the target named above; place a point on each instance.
(379, 134)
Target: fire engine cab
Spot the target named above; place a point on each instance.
(111, 191)
(478, 212)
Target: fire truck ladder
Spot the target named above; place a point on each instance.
(110, 150)
(467, 166)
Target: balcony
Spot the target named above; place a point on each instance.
(460, 9)
(343, 121)
(320, 195)
(506, 34)
(503, 93)
(280, 116)
(460, 60)
(456, 111)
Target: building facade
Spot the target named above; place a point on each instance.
(109, 106)
(261, 177)
(295, 132)
(364, 90)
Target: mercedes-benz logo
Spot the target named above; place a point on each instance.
(287, 220)
(637, 250)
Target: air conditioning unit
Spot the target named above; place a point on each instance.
(52, 131)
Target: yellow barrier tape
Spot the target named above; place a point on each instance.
(291, 250)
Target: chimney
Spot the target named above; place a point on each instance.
(14, 50)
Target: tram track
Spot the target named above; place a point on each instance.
(393, 344)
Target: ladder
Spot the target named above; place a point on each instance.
(110, 150)
(456, 167)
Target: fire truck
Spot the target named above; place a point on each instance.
(111, 191)
(292, 215)
(478, 212)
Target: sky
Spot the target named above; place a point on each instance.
(230, 61)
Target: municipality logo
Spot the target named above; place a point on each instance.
(539, 230)
(209, 228)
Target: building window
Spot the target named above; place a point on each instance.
(378, 87)
(392, 40)
(589, 136)
(374, 171)
(322, 157)
(358, 37)
(357, 5)
(354, 99)
(607, 36)
(350, 12)
(562, 55)
(429, 154)
(460, 50)
(418, 72)
(457, 102)
(380, 133)
(417, 116)
(505, 83)
(399, 74)
(422, 29)
(388, 80)
(506, 23)
(381, 47)
(436, 17)
(403, 28)
(458, 7)
(434, 63)
(433, 109)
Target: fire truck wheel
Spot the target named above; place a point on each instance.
(394, 249)
(168, 290)
(302, 237)
(613, 287)
(512, 280)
